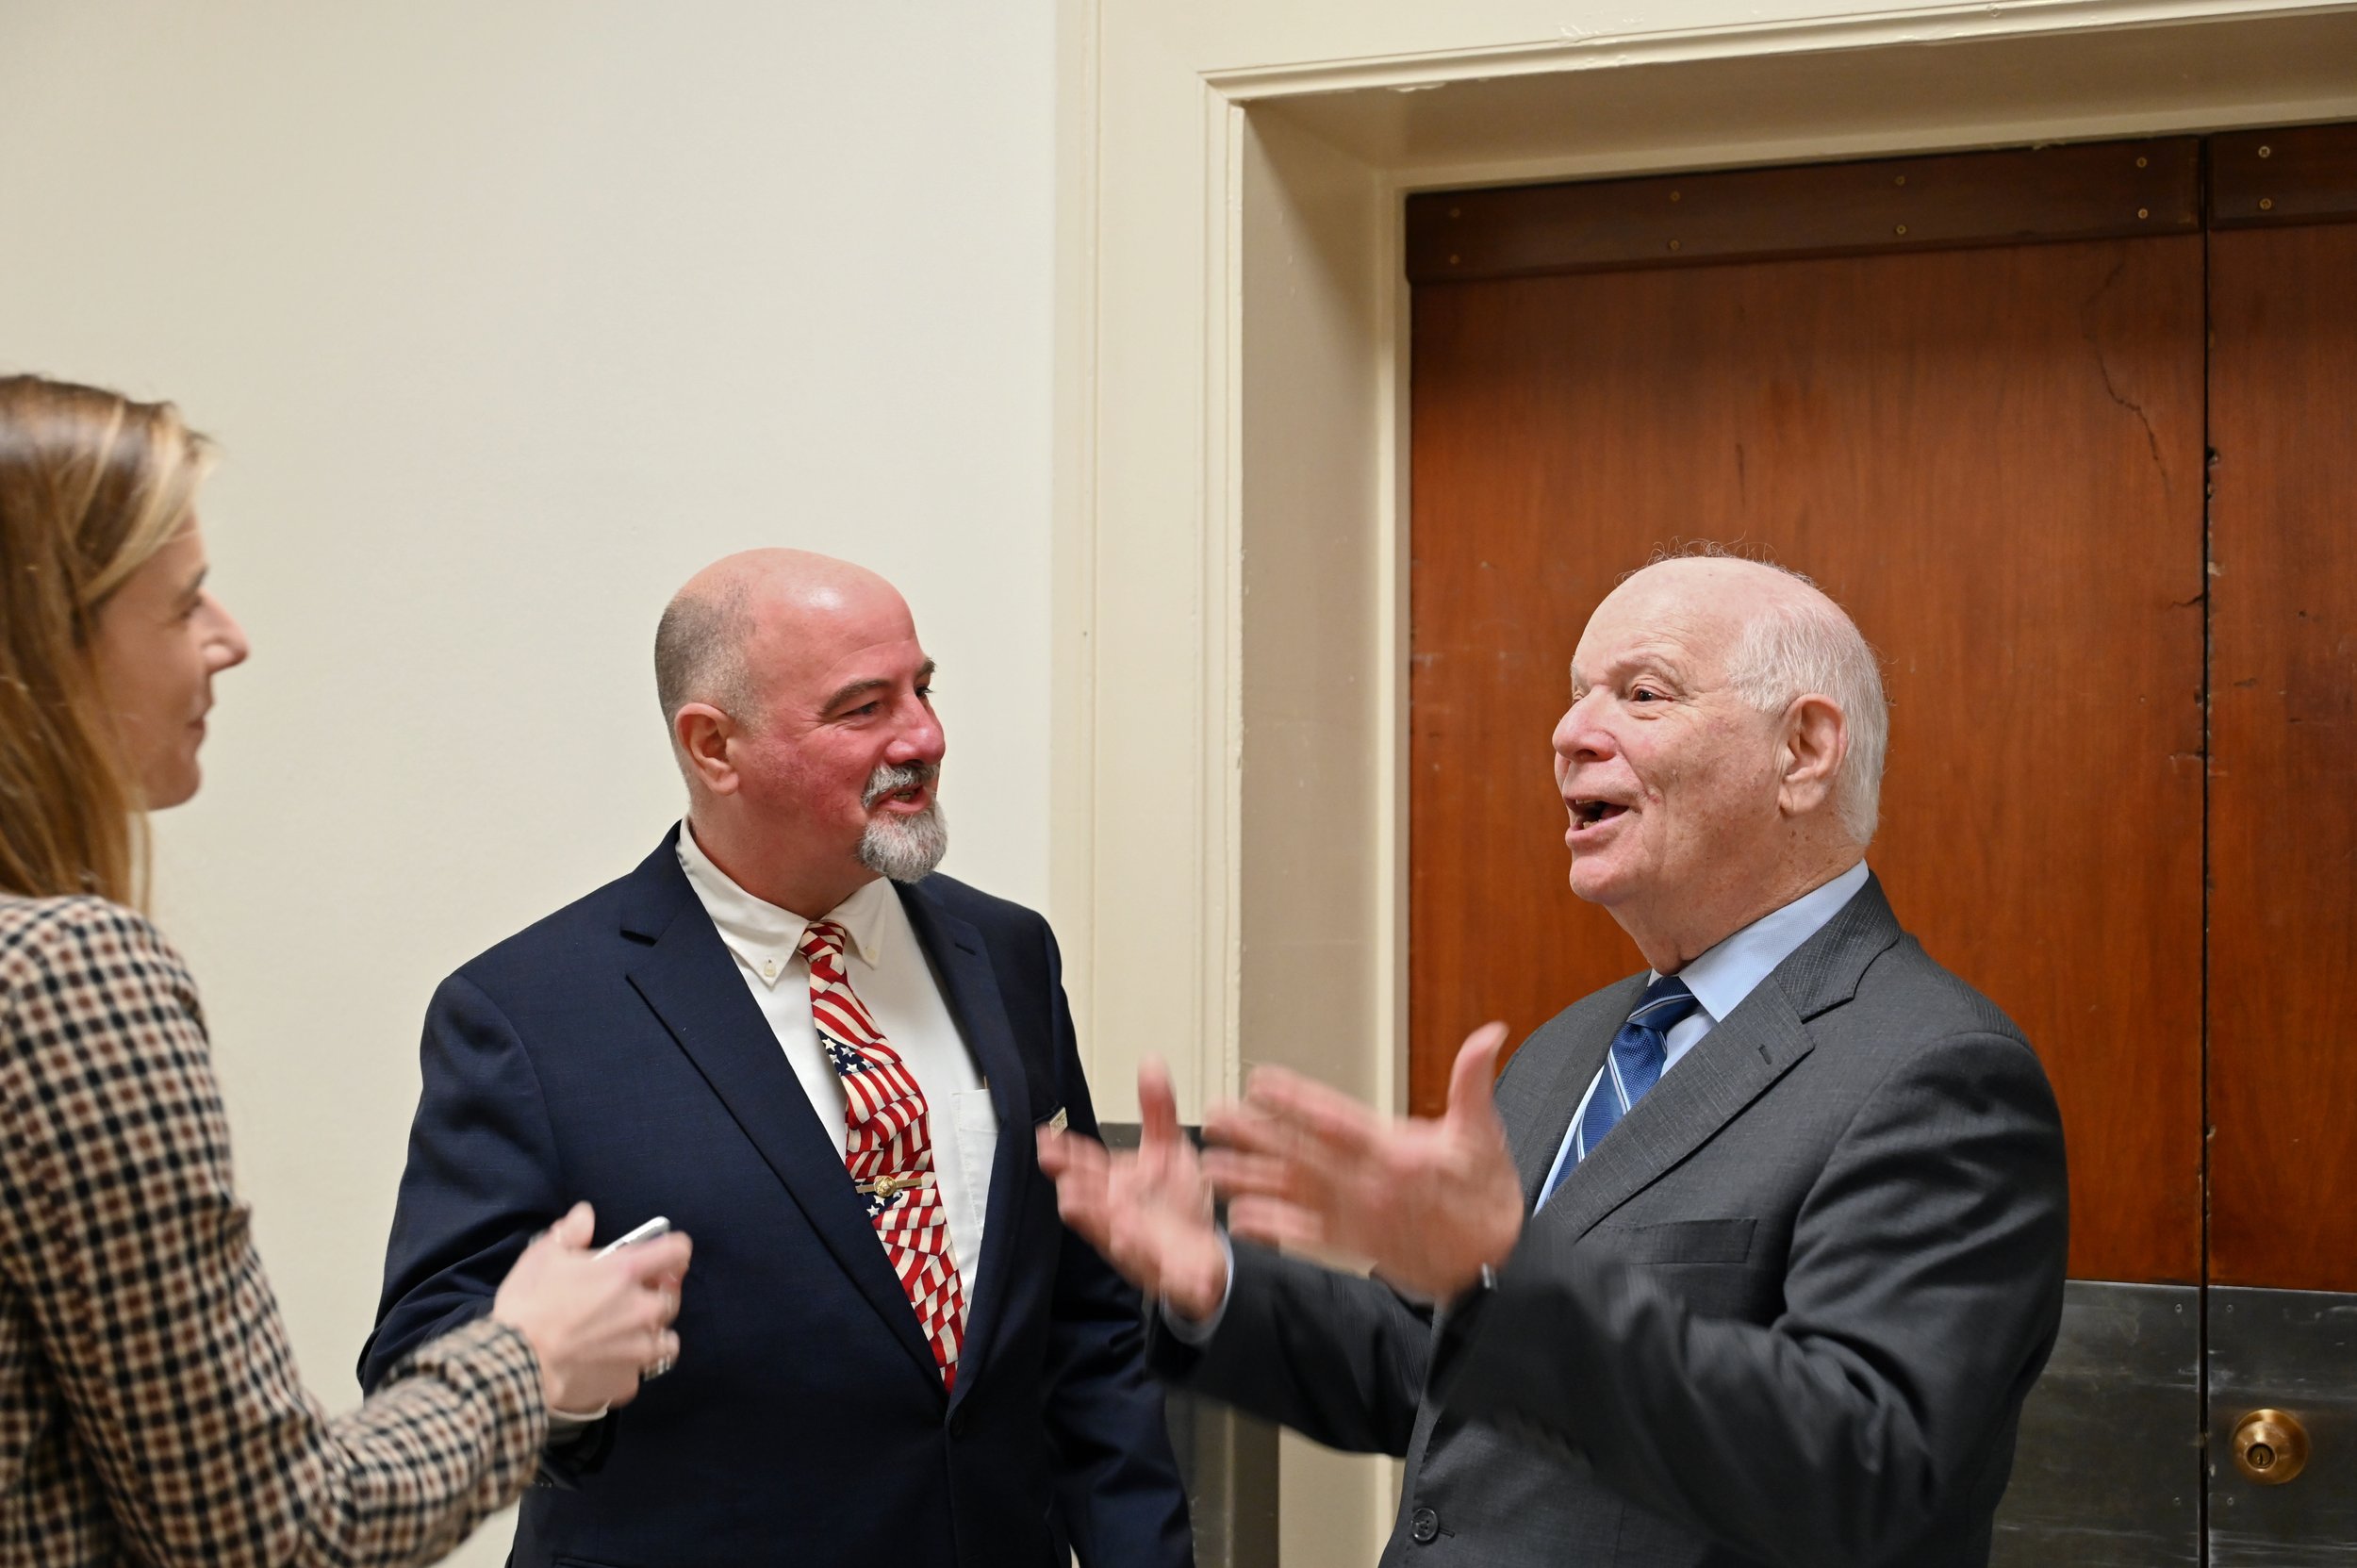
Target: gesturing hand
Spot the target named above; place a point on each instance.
(1148, 1213)
(1429, 1202)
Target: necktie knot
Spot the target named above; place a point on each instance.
(822, 944)
(1642, 1048)
(1664, 1005)
(1639, 1052)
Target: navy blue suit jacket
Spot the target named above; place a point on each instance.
(612, 1052)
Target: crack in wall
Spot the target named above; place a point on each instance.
(2111, 388)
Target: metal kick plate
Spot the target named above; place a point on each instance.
(2296, 1351)
(2108, 1470)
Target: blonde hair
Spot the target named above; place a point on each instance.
(91, 485)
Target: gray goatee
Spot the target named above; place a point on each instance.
(904, 848)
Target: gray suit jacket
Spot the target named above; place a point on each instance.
(1785, 1313)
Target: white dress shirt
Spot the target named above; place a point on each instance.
(891, 975)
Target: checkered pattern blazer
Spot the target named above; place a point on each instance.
(150, 1411)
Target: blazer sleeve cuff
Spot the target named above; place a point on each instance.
(493, 1367)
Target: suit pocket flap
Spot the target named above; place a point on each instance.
(1681, 1241)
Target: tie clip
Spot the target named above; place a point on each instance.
(891, 1186)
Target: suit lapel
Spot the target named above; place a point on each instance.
(692, 984)
(1726, 1070)
(962, 965)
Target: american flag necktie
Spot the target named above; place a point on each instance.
(889, 1151)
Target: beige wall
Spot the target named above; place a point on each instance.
(508, 317)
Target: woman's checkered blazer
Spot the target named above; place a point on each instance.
(149, 1406)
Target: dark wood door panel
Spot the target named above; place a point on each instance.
(2088, 190)
(2287, 175)
(2283, 820)
(1994, 460)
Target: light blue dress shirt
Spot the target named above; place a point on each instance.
(1724, 975)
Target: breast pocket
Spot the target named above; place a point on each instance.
(1682, 1241)
(978, 1147)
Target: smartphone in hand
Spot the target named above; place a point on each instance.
(646, 1233)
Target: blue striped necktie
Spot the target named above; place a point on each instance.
(1640, 1051)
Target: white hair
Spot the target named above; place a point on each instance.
(1805, 644)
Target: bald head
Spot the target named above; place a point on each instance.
(1722, 752)
(800, 704)
(1723, 592)
(1781, 638)
(705, 645)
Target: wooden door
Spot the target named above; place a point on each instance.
(2283, 839)
(1985, 401)
(1993, 458)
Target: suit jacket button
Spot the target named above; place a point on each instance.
(957, 1422)
(1424, 1526)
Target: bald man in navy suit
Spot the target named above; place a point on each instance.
(788, 1034)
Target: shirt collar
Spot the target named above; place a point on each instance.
(769, 937)
(1735, 966)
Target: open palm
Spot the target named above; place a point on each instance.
(1427, 1201)
(1148, 1213)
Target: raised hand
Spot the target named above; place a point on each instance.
(596, 1324)
(1429, 1202)
(1148, 1213)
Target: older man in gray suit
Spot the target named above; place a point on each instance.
(1750, 1258)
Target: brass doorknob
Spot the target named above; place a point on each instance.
(2270, 1447)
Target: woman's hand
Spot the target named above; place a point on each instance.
(596, 1324)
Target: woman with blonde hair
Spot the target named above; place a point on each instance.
(149, 1406)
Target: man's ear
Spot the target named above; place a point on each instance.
(1816, 738)
(703, 733)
